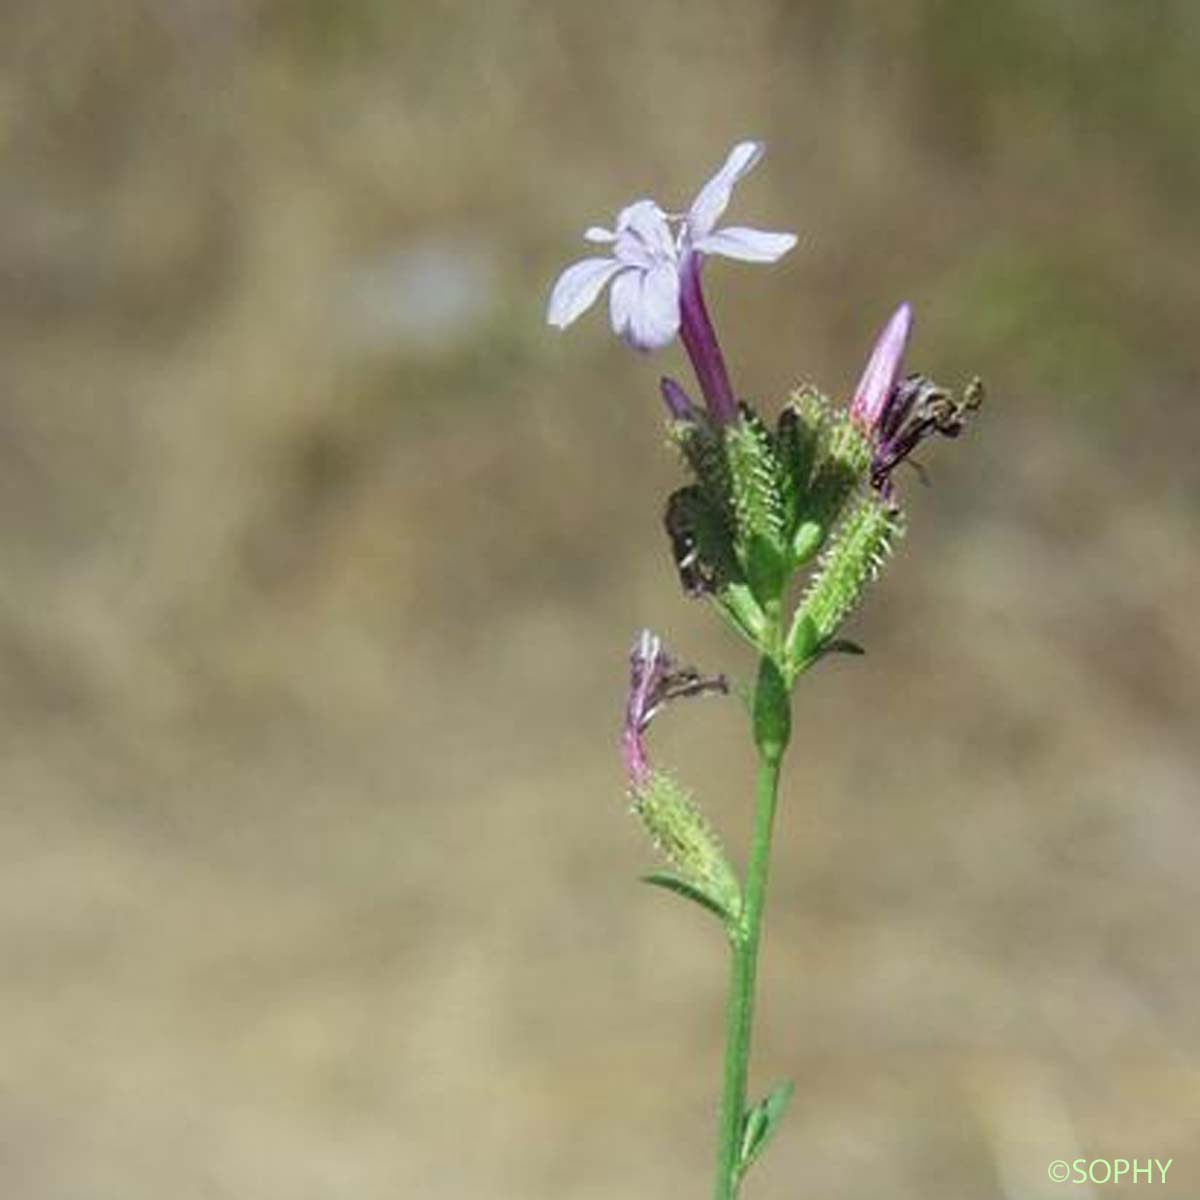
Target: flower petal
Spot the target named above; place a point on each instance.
(622, 300)
(576, 289)
(882, 370)
(713, 197)
(643, 235)
(648, 221)
(645, 307)
(657, 321)
(749, 245)
(647, 664)
(700, 342)
(597, 233)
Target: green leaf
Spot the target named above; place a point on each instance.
(772, 710)
(843, 646)
(760, 1122)
(689, 891)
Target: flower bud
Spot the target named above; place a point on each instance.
(882, 370)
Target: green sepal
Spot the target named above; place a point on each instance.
(803, 649)
(766, 569)
(853, 558)
(802, 645)
(689, 891)
(736, 603)
(760, 1123)
(701, 541)
(797, 438)
(772, 710)
(806, 541)
(845, 456)
(703, 448)
(758, 503)
(682, 834)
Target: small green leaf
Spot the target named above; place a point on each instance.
(842, 646)
(772, 710)
(760, 1123)
(681, 887)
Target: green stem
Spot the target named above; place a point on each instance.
(739, 1014)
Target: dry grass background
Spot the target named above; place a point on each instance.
(321, 556)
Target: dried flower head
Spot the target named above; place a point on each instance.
(898, 414)
(655, 680)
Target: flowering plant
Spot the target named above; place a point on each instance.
(812, 498)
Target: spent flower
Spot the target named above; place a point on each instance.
(655, 680)
(916, 409)
(900, 413)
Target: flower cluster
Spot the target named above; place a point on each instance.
(811, 494)
(654, 268)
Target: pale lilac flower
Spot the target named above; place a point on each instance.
(655, 680)
(882, 371)
(654, 269)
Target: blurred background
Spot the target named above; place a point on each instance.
(322, 556)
